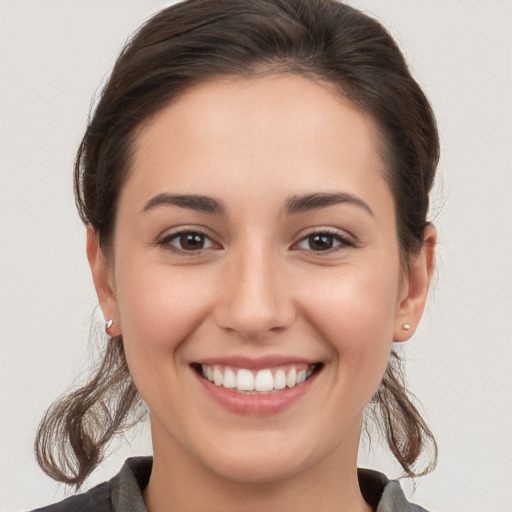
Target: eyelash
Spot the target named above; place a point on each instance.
(166, 241)
(343, 241)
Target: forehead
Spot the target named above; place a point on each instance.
(276, 130)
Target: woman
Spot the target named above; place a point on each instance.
(254, 182)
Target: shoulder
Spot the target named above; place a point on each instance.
(393, 500)
(121, 493)
(97, 499)
(384, 495)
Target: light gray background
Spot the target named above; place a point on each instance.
(53, 56)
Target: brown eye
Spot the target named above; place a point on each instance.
(320, 242)
(187, 241)
(191, 241)
(324, 242)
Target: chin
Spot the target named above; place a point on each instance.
(262, 457)
(251, 468)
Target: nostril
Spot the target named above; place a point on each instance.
(254, 303)
(256, 321)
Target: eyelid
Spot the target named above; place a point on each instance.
(164, 239)
(346, 240)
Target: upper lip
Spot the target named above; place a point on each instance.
(259, 363)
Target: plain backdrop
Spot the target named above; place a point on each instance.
(53, 56)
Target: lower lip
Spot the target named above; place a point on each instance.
(256, 405)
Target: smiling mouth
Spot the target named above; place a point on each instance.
(264, 381)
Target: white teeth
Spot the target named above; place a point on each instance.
(260, 381)
(291, 378)
(301, 376)
(217, 376)
(229, 379)
(244, 380)
(280, 379)
(264, 381)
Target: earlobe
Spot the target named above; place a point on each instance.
(417, 283)
(103, 282)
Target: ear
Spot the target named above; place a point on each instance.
(415, 287)
(102, 275)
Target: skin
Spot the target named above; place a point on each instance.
(257, 288)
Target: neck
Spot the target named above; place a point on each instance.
(180, 483)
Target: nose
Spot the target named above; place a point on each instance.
(255, 300)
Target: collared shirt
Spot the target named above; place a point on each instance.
(123, 493)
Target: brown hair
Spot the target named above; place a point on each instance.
(199, 40)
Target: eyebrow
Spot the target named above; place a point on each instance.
(308, 202)
(296, 204)
(194, 202)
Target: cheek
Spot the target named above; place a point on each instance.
(160, 307)
(354, 304)
(355, 312)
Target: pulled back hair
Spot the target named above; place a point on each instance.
(200, 40)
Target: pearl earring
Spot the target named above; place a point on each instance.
(406, 327)
(108, 325)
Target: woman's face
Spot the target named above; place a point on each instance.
(255, 245)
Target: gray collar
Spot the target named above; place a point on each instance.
(382, 494)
